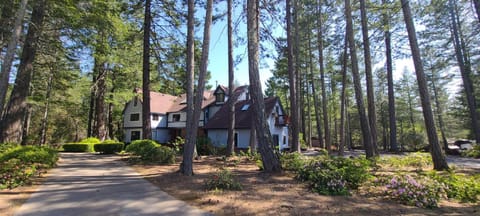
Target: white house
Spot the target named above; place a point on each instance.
(168, 117)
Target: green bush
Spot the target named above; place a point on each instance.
(222, 180)
(32, 155)
(420, 192)
(459, 186)
(177, 144)
(92, 140)
(164, 155)
(108, 148)
(292, 161)
(18, 164)
(335, 176)
(77, 147)
(6, 146)
(150, 151)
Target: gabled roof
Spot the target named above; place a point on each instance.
(180, 102)
(243, 118)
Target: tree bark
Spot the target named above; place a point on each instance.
(186, 167)
(391, 94)
(439, 162)
(146, 122)
(439, 112)
(270, 159)
(477, 8)
(11, 125)
(231, 79)
(315, 96)
(292, 82)
(91, 111)
(326, 126)
(367, 138)
(10, 53)
(44, 127)
(343, 98)
(100, 129)
(372, 117)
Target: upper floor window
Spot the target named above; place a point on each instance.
(220, 97)
(176, 117)
(135, 102)
(245, 107)
(155, 117)
(134, 117)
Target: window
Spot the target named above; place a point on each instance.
(220, 98)
(245, 107)
(155, 117)
(135, 102)
(235, 140)
(134, 135)
(134, 117)
(284, 140)
(176, 117)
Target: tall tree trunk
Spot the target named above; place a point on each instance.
(391, 94)
(186, 167)
(253, 137)
(91, 109)
(100, 129)
(44, 127)
(465, 70)
(11, 125)
(367, 138)
(292, 82)
(315, 98)
(439, 162)
(111, 132)
(372, 116)
(10, 53)
(231, 79)
(326, 126)
(439, 112)
(410, 108)
(343, 98)
(270, 159)
(146, 122)
(477, 8)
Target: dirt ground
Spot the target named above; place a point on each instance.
(11, 200)
(277, 194)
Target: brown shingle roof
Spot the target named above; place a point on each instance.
(161, 103)
(243, 118)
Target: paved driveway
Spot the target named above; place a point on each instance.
(86, 184)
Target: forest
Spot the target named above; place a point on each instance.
(69, 66)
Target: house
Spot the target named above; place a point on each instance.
(168, 117)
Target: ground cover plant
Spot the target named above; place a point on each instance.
(18, 164)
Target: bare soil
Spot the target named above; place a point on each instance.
(12, 199)
(278, 194)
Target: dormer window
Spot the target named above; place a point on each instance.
(220, 98)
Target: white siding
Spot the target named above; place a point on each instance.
(131, 109)
(218, 137)
(243, 138)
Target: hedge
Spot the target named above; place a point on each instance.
(108, 148)
(77, 147)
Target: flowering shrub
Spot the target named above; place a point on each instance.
(222, 180)
(423, 193)
(335, 176)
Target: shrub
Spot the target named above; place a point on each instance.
(164, 155)
(421, 192)
(77, 147)
(459, 186)
(6, 146)
(108, 148)
(222, 180)
(32, 155)
(177, 144)
(18, 164)
(335, 176)
(92, 140)
(145, 149)
(292, 161)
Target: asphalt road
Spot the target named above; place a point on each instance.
(87, 184)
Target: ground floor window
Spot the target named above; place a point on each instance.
(275, 140)
(134, 135)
